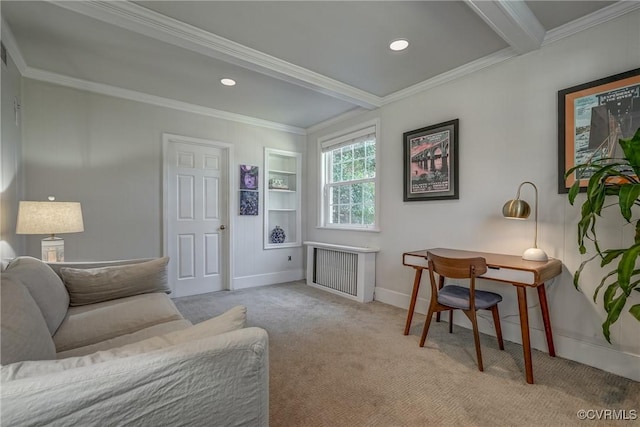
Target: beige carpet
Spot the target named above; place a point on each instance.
(334, 362)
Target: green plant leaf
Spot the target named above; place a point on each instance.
(609, 294)
(626, 267)
(613, 312)
(635, 311)
(627, 197)
(576, 276)
(597, 197)
(637, 236)
(573, 191)
(631, 148)
(604, 279)
(610, 255)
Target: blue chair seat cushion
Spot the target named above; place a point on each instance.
(458, 297)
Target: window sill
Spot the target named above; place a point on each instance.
(370, 230)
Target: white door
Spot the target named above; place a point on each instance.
(196, 239)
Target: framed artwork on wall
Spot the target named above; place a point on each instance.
(248, 177)
(431, 162)
(592, 117)
(249, 202)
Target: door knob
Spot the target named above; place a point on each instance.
(222, 227)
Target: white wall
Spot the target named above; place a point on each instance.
(508, 134)
(106, 153)
(10, 155)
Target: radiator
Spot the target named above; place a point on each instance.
(348, 271)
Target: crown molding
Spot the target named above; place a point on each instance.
(12, 47)
(144, 21)
(456, 73)
(103, 89)
(337, 119)
(596, 18)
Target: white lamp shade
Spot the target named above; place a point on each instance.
(49, 218)
(535, 254)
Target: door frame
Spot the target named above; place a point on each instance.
(227, 241)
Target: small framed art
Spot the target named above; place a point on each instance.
(248, 177)
(431, 162)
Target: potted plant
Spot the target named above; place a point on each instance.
(617, 177)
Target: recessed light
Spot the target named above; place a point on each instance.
(400, 44)
(228, 82)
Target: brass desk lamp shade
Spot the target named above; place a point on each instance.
(519, 209)
(50, 218)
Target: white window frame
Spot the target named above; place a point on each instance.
(335, 139)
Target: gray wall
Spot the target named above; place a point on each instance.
(106, 153)
(10, 159)
(508, 134)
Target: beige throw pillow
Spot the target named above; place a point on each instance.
(92, 285)
(45, 287)
(23, 330)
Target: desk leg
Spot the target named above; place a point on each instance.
(544, 307)
(414, 298)
(524, 329)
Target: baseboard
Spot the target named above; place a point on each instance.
(607, 359)
(267, 279)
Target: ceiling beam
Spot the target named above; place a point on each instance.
(513, 21)
(12, 47)
(144, 21)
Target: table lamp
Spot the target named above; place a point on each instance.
(519, 209)
(50, 218)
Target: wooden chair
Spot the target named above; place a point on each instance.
(453, 297)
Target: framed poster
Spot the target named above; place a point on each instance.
(431, 162)
(592, 117)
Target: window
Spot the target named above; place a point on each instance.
(349, 190)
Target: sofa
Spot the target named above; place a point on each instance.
(96, 344)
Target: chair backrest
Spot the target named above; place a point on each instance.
(457, 268)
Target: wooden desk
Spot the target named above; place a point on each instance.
(510, 269)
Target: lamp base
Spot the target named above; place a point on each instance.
(535, 254)
(53, 249)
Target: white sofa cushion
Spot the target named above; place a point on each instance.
(134, 337)
(91, 324)
(94, 285)
(231, 320)
(218, 380)
(45, 287)
(24, 332)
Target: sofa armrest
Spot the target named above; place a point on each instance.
(219, 380)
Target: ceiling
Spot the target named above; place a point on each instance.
(296, 63)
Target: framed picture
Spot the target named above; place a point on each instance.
(592, 117)
(248, 177)
(431, 162)
(249, 202)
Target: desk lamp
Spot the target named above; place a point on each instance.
(50, 218)
(519, 209)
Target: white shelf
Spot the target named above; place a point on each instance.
(282, 207)
(280, 190)
(281, 172)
